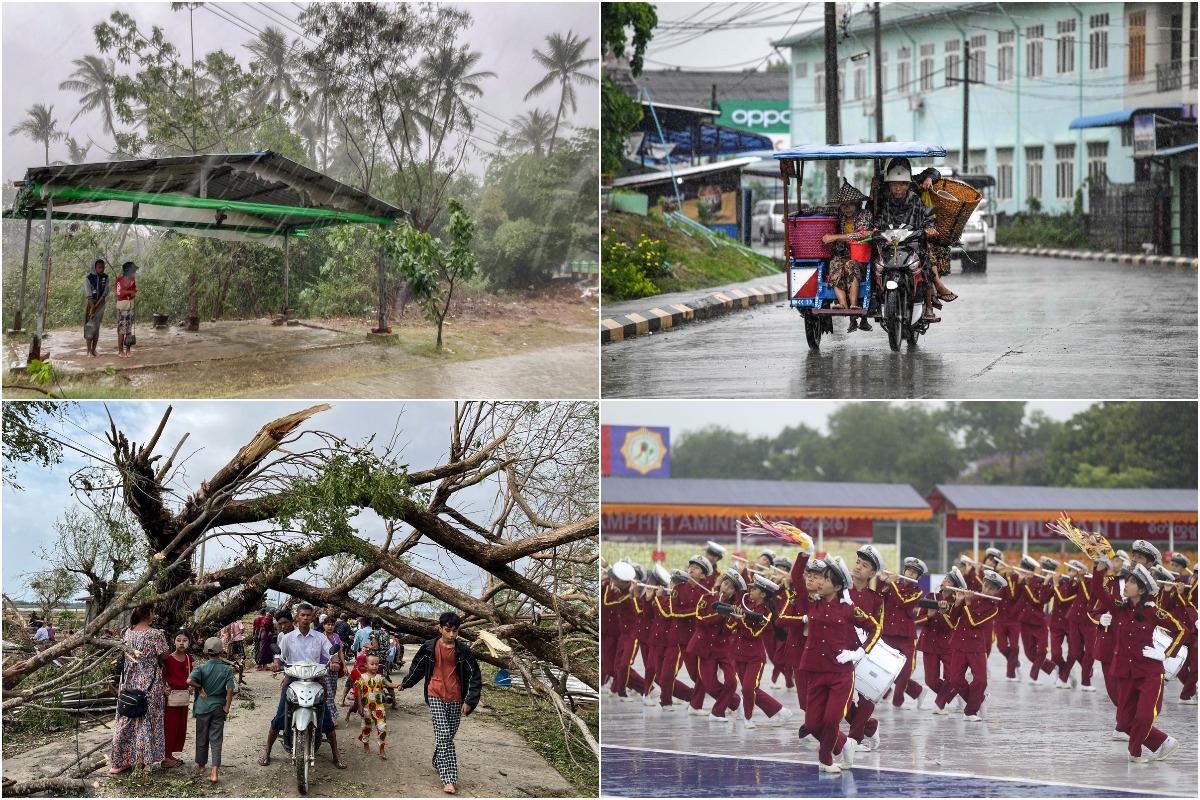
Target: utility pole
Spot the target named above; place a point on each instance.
(878, 78)
(832, 98)
(966, 83)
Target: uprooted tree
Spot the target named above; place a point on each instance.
(287, 503)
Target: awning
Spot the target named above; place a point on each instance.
(1084, 505)
(709, 140)
(682, 172)
(826, 152)
(735, 498)
(1174, 151)
(1122, 117)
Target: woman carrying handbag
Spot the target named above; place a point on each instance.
(176, 668)
(138, 736)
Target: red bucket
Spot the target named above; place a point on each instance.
(861, 252)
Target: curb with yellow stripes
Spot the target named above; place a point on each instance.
(614, 329)
(1091, 255)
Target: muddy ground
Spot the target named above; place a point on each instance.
(493, 760)
(234, 358)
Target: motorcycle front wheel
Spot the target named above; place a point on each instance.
(891, 314)
(302, 755)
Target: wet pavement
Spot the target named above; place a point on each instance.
(1035, 741)
(560, 372)
(1070, 328)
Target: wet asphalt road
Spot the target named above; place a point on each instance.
(1028, 327)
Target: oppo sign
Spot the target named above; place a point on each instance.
(765, 118)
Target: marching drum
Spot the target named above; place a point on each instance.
(877, 670)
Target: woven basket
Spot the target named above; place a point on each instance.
(804, 235)
(954, 201)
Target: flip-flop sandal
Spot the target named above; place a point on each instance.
(340, 764)
(948, 297)
(264, 759)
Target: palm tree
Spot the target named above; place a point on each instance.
(41, 126)
(75, 153)
(565, 66)
(93, 79)
(533, 131)
(279, 62)
(449, 76)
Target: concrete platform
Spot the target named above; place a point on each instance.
(214, 341)
(1037, 741)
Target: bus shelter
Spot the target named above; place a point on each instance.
(253, 197)
(705, 507)
(1003, 515)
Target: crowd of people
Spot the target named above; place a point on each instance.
(812, 620)
(162, 684)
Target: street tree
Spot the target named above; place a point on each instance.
(622, 25)
(93, 78)
(40, 126)
(565, 67)
(51, 588)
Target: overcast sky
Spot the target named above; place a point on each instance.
(40, 40)
(726, 36)
(764, 417)
(218, 429)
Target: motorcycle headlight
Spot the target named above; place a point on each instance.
(892, 285)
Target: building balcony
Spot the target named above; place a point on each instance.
(1170, 75)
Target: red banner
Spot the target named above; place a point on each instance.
(1010, 530)
(697, 526)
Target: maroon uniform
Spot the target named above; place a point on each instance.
(831, 626)
(862, 723)
(678, 607)
(1065, 591)
(1034, 630)
(750, 657)
(973, 622)
(710, 647)
(610, 624)
(1139, 679)
(936, 634)
(900, 631)
(1081, 636)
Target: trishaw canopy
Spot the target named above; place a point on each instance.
(828, 152)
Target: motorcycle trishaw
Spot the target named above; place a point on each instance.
(893, 291)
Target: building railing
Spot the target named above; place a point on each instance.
(1170, 75)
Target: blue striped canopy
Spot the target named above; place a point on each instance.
(826, 152)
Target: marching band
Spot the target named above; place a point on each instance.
(847, 636)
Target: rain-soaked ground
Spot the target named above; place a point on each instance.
(1035, 741)
(1055, 327)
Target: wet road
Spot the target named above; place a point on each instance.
(1050, 328)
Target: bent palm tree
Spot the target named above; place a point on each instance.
(279, 62)
(76, 154)
(40, 125)
(532, 131)
(93, 79)
(565, 66)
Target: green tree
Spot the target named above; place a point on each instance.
(718, 452)
(278, 62)
(532, 132)
(449, 83)
(93, 78)
(27, 438)
(565, 66)
(619, 113)
(891, 443)
(1151, 443)
(41, 126)
(76, 154)
(434, 268)
(51, 588)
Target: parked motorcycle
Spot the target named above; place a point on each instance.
(900, 285)
(304, 714)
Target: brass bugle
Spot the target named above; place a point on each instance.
(701, 585)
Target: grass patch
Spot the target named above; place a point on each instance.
(538, 724)
(695, 264)
(678, 554)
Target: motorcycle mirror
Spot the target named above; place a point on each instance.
(334, 649)
(275, 649)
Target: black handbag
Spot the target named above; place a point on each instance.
(133, 703)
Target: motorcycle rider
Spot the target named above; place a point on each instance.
(902, 207)
(302, 643)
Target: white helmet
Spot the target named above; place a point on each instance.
(898, 172)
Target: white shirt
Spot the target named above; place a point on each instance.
(294, 646)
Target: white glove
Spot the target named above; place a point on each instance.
(850, 656)
(1106, 619)
(846, 597)
(1155, 653)
(808, 551)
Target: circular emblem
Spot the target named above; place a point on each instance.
(644, 450)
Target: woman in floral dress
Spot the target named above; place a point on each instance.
(141, 741)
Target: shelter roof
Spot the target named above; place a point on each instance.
(695, 88)
(828, 152)
(667, 176)
(736, 498)
(1082, 505)
(241, 196)
(1115, 118)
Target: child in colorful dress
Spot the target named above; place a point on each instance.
(371, 705)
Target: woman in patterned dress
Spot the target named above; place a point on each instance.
(141, 741)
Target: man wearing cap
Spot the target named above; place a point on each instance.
(680, 616)
(1104, 641)
(713, 552)
(1081, 634)
(936, 636)
(752, 615)
(845, 274)
(685, 607)
(1063, 591)
(972, 618)
(1035, 593)
(864, 728)
(1007, 625)
(899, 630)
(1138, 656)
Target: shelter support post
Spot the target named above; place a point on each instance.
(35, 346)
(383, 316)
(975, 539)
(1025, 537)
(899, 554)
(1171, 535)
(19, 318)
(945, 545)
(658, 536)
(737, 538)
(287, 265)
(821, 535)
